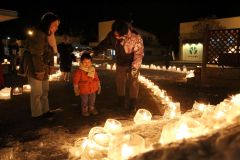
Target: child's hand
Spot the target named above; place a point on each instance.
(76, 90)
(99, 88)
(76, 94)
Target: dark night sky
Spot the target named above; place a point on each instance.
(159, 17)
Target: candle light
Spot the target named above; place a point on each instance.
(182, 132)
(17, 91)
(99, 137)
(26, 88)
(126, 146)
(142, 116)
(55, 60)
(108, 66)
(17, 68)
(5, 93)
(113, 126)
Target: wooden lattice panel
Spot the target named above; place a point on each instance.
(223, 47)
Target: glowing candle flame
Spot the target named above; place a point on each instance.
(182, 132)
(126, 151)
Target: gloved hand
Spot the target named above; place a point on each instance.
(76, 90)
(134, 72)
(39, 75)
(99, 89)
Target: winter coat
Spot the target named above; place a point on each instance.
(86, 84)
(129, 52)
(42, 55)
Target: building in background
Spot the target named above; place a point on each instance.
(192, 34)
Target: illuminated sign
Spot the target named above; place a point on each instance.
(192, 52)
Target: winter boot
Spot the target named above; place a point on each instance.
(85, 112)
(93, 111)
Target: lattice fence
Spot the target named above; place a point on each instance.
(223, 47)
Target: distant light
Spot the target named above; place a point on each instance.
(30, 32)
(8, 38)
(76, 47)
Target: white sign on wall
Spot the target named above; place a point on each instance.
(192, 52)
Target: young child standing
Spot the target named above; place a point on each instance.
(86, 83)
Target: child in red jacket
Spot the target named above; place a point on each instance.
(86, 84)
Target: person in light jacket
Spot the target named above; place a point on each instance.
(129, 49)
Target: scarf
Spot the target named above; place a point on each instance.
(90, 70)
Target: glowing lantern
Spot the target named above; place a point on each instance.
(99, 137)
(26, 88)
(17, 68)
(142, 116)
(5, 61)
(17, 91)
(5, 93)
(172, 110)
(126, 146)
(113, 126)
(55, 60)
(108, 66)
(199, 106)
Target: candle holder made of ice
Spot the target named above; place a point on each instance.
(142, 116)
(185, 127)
(5, 93)
(172, 111)
(166, 100)
(199, 106)
(108, 67)
(79, 147)
(26, 88)
(123, 147)
(5, 61)
(113, 126)
(99, 137)
(17, 91)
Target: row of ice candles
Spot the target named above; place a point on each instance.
(110, 143)
(170, 68)
(189, 74)
(5, 93)
(153, 67)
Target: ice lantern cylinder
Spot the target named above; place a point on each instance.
(113, 126)
(26, 88)
(5, 93)
(126, 146)
(142, 116)
(17, 91)
(99, 137)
